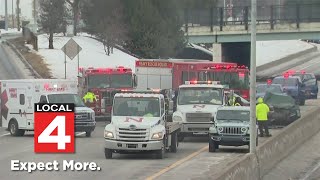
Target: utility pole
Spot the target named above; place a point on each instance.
(253, 131)
(6, 15)
(35, 15)
(12, 14)
(18, 14)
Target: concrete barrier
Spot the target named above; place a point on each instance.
(272, 151)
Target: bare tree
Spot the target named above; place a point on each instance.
(52, 17)
(75, 4)
(106, 20)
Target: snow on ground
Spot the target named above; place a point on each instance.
(268, 51)
(15, 30)
(92, 55)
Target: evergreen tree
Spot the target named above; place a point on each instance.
(105, 19)
(52, 17)
(155, 28)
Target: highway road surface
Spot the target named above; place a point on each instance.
(11, 66)
(191, 159)
(303, 164)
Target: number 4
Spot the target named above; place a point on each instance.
(61, 139)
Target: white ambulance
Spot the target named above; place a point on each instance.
(197, 104)
(19, 96)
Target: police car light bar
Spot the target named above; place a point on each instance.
(202, 82)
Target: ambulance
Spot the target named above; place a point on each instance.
(19, 96)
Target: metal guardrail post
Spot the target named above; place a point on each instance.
(221, 18)
(246, 18)
(272, 17)
(211, 19)
(186, 19)
(298, 15)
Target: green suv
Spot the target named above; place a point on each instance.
(231, 128)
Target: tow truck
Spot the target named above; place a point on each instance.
(197, 104)
(139, 124)
(104, 83)
(19, 96)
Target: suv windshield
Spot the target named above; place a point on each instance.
(200, 95)
(285, 82)
(268, 88)
(233, 115)
(110, 81)
(66, 98)
(136, 106)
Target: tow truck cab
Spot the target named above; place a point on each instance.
(139, 124)
(197, 103)
(19, 96)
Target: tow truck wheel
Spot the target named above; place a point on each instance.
(108, 153)
(160, 153)
(174, 142)
(14, 129)
(180, 138)
(88, 133)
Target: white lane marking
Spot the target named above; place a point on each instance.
(4, 134)
(79, 134)
(309, 173)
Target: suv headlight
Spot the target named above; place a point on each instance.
(158, 135)
(93, 116)
(108, 134)
(244, 129)
(177, 118)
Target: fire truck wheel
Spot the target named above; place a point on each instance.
(88, 133)
(108, 153)
(14, 128)
(174, 142)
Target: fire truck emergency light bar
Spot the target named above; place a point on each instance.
(119, 68)
(203, 82)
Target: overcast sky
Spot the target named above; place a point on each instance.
(25, 5)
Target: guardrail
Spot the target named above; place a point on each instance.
(240, 15)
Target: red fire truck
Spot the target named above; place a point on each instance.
(104, 83)
(169, 74)
(235, 77)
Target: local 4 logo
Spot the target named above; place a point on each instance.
(54, 128)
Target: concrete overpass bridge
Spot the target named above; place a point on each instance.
(228, 28)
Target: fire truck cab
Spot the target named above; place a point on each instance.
(104, 83)
(197, 104)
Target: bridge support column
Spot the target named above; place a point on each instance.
(217, 52)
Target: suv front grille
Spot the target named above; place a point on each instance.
(230, 130)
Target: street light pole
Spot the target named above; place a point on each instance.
(6, 15)
(253, 133)
(12, 14)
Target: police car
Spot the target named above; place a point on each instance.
(293, 86)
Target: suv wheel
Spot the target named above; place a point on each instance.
(213, 146)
